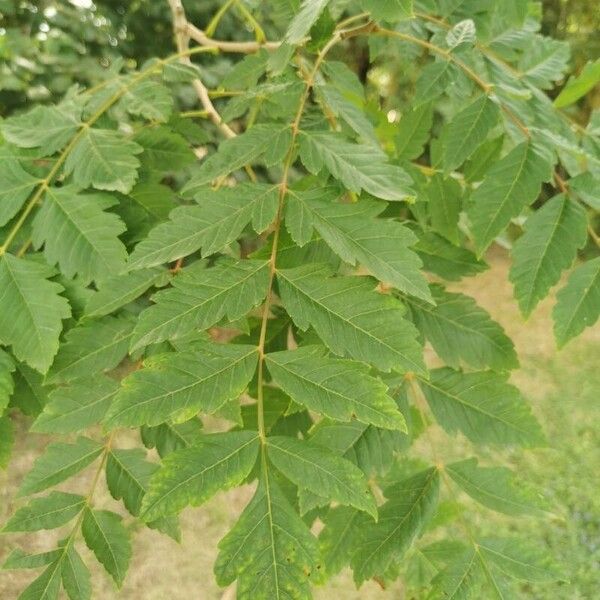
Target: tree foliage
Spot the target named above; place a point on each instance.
(277, 259)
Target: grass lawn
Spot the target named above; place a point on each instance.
(564, 389)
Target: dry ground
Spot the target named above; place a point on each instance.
(563, 388)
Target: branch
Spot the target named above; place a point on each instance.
(241, 47)
(182, 38)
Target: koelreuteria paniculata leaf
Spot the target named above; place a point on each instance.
(255, 261)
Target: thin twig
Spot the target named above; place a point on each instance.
(182, 39)
(226, 46)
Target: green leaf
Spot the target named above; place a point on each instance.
(358, 166)
(391, 10)
(128, 476)
(270, 550)
(77, 406)
(320, 471)
(218, 461)
(544, 61)
(433, 81)
(461, 331)
(351, 318)
(340, 389)
(468, 129)
(585, 185)
(17, 559)
(46, 127)
(494, 487)
(6, 441)
(519, 559)
(462, 33)
(88, 244)
(244, 149)
(482, 159)
(104, 159)
(200, 297)
(75, 576)
(49, 512)
(338, 538)
(178, 385)
(579, 86)
(164, 150)
(412, 132)
(355, 234)
(115, 292)
(149, 99)
(46, 586)
(30, 395)
(553, 234)
(215, 222)
(511, 184)
(7, 366)
(91, 348)
(59, 462)
(15, 186)
(444, 206)
(349, 111)
(303, 21)
(485, 408)
(446, 260)
(411, 504)
(367, 446)
(147, 204)
(168, 437)
(461, 579)
(578, 303)
(178, 72)
(106, 536)
(27, 293)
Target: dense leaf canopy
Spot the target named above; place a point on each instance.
(241, 250)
